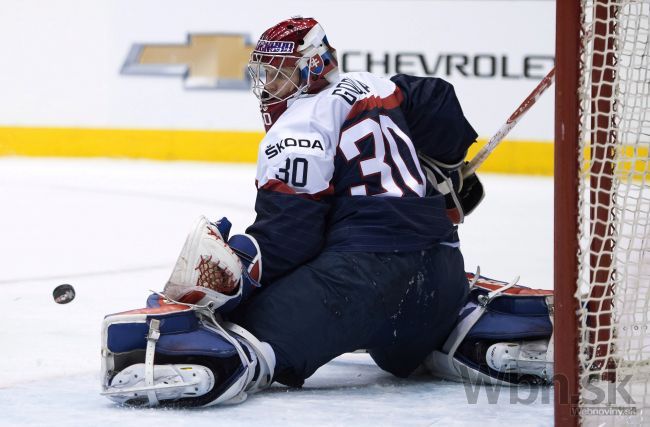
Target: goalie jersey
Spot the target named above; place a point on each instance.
(339, 170)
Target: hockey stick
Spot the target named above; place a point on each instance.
(483, 154)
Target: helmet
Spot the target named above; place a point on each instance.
(290, 59)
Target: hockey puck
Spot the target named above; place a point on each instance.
(63, 294)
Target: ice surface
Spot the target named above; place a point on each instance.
(113, 229)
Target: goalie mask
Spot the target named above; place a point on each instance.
(291, 59)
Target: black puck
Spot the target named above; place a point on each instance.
(63, 294)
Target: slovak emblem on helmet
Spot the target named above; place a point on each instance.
(316, 64)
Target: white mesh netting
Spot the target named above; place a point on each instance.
(614, 226)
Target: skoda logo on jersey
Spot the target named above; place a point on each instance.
(316, 64)
(204, 61)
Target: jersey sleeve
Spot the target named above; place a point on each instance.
(435, 118)
(294, 173)
(289, 229)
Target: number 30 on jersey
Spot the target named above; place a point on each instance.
(381, 130)
(294, 172)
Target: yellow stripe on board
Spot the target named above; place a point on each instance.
(517, 157)
(131, 143)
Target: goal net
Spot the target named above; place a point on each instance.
(611, 283)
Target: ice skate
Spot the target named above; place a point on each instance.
(523, 358)
(170, 383)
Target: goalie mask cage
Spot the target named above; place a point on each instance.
(602, 210)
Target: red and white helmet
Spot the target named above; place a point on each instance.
(291, 59)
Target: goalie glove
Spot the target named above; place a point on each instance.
(462, 195)
(211, 270)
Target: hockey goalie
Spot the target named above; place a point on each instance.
(355, 246)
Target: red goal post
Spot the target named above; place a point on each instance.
(602, 212)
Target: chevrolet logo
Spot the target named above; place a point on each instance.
(205, 61)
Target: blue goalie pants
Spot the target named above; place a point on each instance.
(399, 306)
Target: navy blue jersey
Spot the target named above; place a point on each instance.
(339, 170)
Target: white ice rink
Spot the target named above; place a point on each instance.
(113, 229)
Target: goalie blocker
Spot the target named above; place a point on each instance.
(462, 193)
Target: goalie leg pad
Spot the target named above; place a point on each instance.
(162, 344)
(499, 317)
